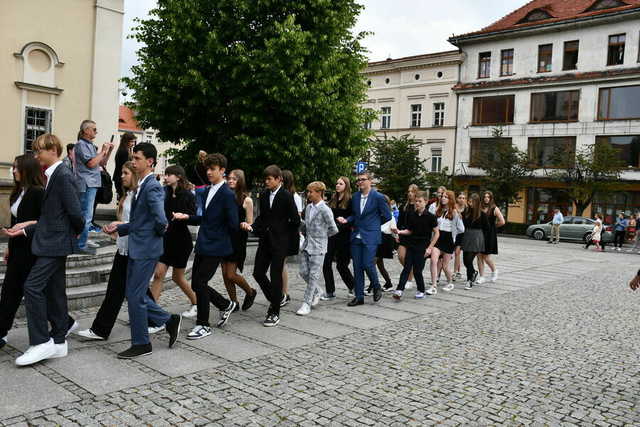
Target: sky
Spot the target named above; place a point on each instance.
(400, 27)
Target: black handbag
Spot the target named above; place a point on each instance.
(105, 192)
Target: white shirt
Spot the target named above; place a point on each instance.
(122, 242)
(212, 192)
(142, 182)
(315, 209)
(444, 223)
(50, 170)
(16, 205)
(363, 201)
(273, 195)
(298, 200)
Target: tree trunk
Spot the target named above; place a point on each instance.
(581, 207)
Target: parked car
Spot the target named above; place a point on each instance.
(575, 228)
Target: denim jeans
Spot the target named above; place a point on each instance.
(86, 203)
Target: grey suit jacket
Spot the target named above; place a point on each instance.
(318, 229)
(61, 219)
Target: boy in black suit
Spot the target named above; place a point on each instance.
(278, 215)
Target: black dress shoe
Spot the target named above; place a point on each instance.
(248, 300)
(377, 294)
(355, 302)
(173, 328)
(135, 351)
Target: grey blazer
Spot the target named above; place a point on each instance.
(61, 220)
(318, 229)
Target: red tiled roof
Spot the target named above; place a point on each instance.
(413, 58)
(127, 120)
(570, 77)
(559, 10)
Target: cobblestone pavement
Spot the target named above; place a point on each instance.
(554, 341)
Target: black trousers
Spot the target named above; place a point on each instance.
(113, 299)
(268, 259)
(619, 238)
(340, 250)
(18, 268)
(204, 268)
(467, 258)
(45, 300)
(413, 260)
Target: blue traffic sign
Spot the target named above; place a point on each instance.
(361, 167)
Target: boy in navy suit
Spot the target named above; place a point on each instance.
(217, 217)
(146, 226)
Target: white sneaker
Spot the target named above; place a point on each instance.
(457, 276)
(72, 329)
(91, 244)
(36, 353)
(450, 286)
(61, 350)
(304, 309)
(316, 299)
(155, 329)
(90, 335)
(419, 295)
(432, 290)
(494, 276)
(469, 285)
(480, 280)
(199, 332)
(191, 313)
(397, 294)
(409, 284)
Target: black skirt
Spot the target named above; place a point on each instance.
(459, 239)
(385, 249)
(445, 242)
(177, 249)
(239, 243)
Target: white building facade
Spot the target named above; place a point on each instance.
(553, 80)
(414, 96)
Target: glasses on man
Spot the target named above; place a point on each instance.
(362, 179)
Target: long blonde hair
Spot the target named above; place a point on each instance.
(134, 185)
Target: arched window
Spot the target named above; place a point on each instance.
(536, 15)
(605, 4)
(39, 64)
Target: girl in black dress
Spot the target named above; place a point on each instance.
(475, 228)
(123, 155)
(178, 242)
(406, 209)
(26, 204)
(339, 245)
(461, 206)
(495, 218)
(235, 261)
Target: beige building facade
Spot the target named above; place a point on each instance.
(413, 95)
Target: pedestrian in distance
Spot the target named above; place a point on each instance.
(278, 218)
(495, 220)
(450, 224)
(620, 229)
(217, 217)
(596, 234)
(177, 240)
(288, 183)
(146, 227)
(369, 211)
(339, 246)
(53, 237)
(317, 227)
(476, 227)
(422, 234)
(556, 222)
(235, 262)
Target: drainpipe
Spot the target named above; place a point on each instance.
(455, 134)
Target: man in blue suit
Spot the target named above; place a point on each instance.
(217, 216)
(146, 226)
(370, 211)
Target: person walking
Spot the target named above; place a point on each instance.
(495, 220)
(235, 262)
(25, 204)
(556, 222)
(145, 229)
(288, 183)
(422, 234)
(217, 217)
(277, 220)
(87, 167)
(461, 207)
(449, 225)
(338, 246)
(407, 209)
(52, 240)
(476, 226)
(124, 153)
(177, 240)
(596, 234)
(620, 229)
(317, 227)
(369, 212)
(385, 250)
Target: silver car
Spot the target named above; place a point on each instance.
(575, 228)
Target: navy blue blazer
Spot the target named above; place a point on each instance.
(147, 222)
(367, 223)
(217, 222)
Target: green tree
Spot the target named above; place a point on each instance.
(263, 81)
(395, 163)
(595, 169)
(506, 168)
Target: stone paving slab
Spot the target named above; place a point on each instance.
(279, 337)
(351, 317)
(231, 347)
(321, 328)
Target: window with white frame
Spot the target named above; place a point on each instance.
(416, 115)
(436, 159)
(385, 118)
(438, 114)
(37, 121)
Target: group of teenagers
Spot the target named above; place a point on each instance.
(152, 235)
